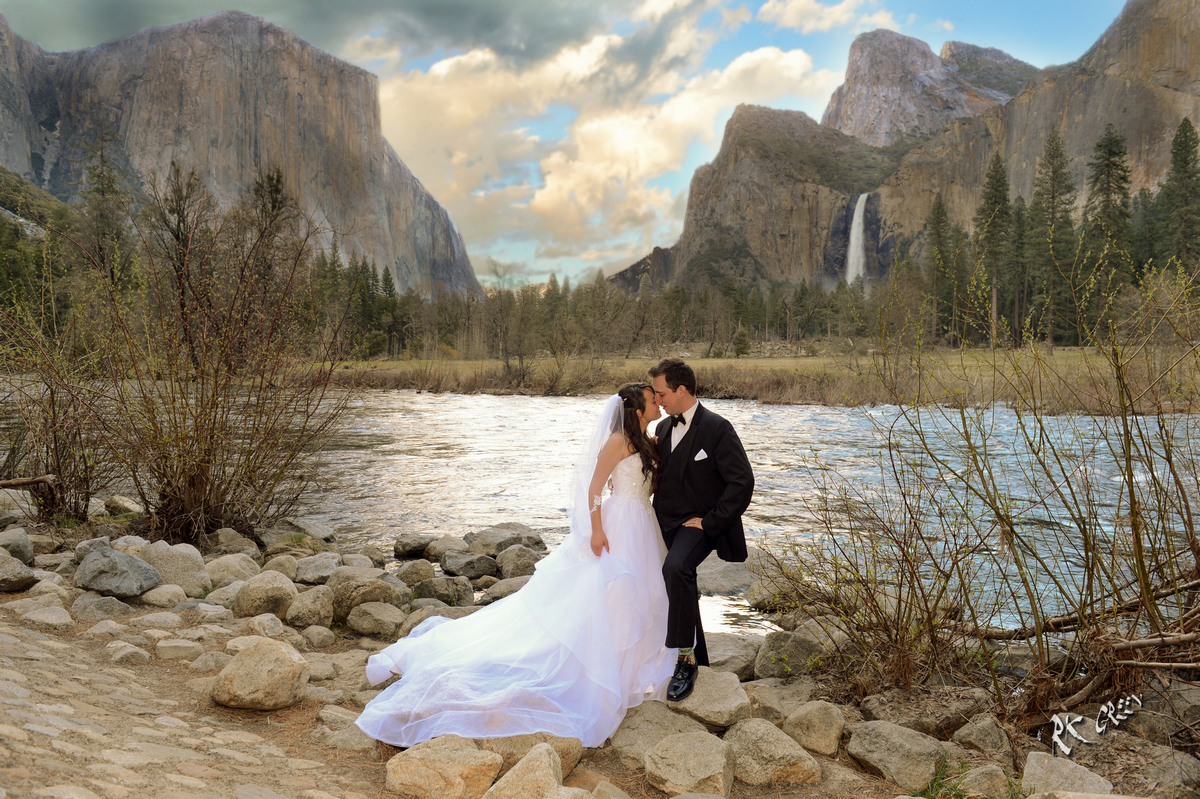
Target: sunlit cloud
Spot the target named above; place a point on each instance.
(944, 24)
(808, 16)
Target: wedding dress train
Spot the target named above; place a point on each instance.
(568, 654)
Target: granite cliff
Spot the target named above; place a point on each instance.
(232, 95)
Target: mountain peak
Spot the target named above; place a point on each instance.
(1151, 41)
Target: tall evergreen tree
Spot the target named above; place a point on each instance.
(993, 224)
(1181, 196)
(1052, 241)
(1017, 286)
(1106, 223)
(1145, 222)
(938, 254)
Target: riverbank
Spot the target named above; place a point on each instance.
(1063, 380)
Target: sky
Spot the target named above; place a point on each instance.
(561, 135)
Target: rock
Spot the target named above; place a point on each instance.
(466, 564)
(377, 553)
(84, 547)
(163, 596)
(765, 755)
(14, 575)
(312, 607)
(23, 606)
(984, 734)
(643, 727)
(935, 711)
(718, 700)
(789, 654)
(764, 703)
(443, 767)
(691, 762)
(318, 636)
(241, 643)
(266, 676)
(163, 620)
(495, 540)
(517, 561)
(484, 583)
(17, 543)
(122, 652)
(715, 576)
(354, 586)
(8, 517)
(180, 565)
(348, 738)
(454, 591)
(225, 595)
(1168, 709)
(321, 670)
(515, 747)
(501, 589)
(358, 561)
(237, 567)
(318, 568)
(213, 614)
(92, 607)
(211, 661)
(415, 571)
(906, 757)
(266, 592)
(735, 653)
(48, 586)
(987, 781)
(816, 726)
(378, 619)
(337, 717)
(411, 545)
(113, 573)
(284, 564)
(538, 775)
(50, 561)
(418, 616)
(106, 629)
(267, 625)
(427, 602)
(442, 545)
(118, 505)
(1044, 773)
(178, 649)
(53, 617)
(311, 528)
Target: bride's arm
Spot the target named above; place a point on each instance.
(610, 455)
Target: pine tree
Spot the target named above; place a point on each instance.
(1017, 287)
(1106, 223)
(1052, 242)
(993, 223)
(1181, 196)
(938, 260)
(1145, 222)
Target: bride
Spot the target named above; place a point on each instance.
(575, 648)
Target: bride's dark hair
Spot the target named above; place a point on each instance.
(633, 399)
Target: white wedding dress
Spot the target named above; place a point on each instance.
(568, 654)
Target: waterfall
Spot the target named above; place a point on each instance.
(856, 256)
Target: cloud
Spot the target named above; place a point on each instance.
(808, 16)
(880, 19)
(944, 24)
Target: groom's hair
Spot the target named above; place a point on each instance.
(677, 373)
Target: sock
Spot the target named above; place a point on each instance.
(686, 654)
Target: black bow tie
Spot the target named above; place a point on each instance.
(679, 419)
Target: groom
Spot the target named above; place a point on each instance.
(704, 488)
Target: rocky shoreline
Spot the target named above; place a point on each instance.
(130, 668)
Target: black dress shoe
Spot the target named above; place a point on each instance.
(682, 681)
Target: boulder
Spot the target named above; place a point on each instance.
(84, 547)
(106, 629)
(162, 620)
(418, 616)
(789, 654)
(416, 571)
(312, 607)
(517, 561)
(501, 589)
(426, 602)
(178, 649)
(765, 755)
(1044, 773)
(14, 575)
(377, 553)
(284, 564)
(47, 585)
(124, 652)
(515, 747)
(23, 606)
(265, 592)
(934, 711)
(454, 591)
(15, 541)
(319, 636)
(118, 505)
(715, 576)
(51, 561)
(239, 566)
(442, 767)
(52, 617)
(1169, 708)
(495, 540)
(816, 726)
(906, 757)
(484, 583)
(691, 762)
(718, 700)
(130, 545)
(348, 738)
(733, 652)
(267, 625)
(164, 596)
(354, 586)
(310, 528)
(359, 562)
(321, 670)
(988, 781)
(411, 545)
(466, 564)
(538, 775)
(379, 619)
(765, 703)
(113, 573)
(317, 569)
(984, 734)
(441, 546)
(211, 661)
(643, 727)
(8, 517)
(269, 675)
(93, 607)
(241, 643)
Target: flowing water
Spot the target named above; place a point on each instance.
(856, 254)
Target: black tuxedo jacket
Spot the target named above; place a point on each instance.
(717, 487)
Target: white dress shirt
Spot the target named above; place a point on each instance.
(679, 430)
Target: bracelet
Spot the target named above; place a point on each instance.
(595, 503)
